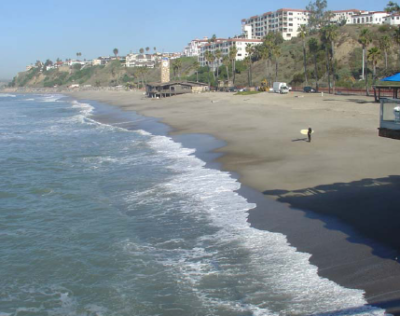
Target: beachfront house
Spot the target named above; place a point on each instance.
(168, 89)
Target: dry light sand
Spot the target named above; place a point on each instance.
(347, 172)
(264, 144)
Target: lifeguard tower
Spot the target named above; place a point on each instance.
(390, 118)
(389, 126)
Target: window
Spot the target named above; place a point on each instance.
(290, 24)
(288, 35)
(239, 54)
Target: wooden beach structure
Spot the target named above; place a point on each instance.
(172, 88)
(385, 91)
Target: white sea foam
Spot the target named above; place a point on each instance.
(277, 268)
(6, 95)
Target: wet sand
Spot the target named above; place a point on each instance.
(335, 198)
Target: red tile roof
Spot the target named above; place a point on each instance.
(294, 10)
(350, 10)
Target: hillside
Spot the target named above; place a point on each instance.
(112, 74)
(348, 56)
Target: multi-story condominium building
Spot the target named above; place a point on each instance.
(194, 47)
(340, 15)
(285, 21)
(225, 46)
(372, 17)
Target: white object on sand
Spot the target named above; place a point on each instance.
(305, 131)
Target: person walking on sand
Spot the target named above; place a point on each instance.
(309, 134)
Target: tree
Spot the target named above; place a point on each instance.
(392, 7)
(212, 39)
(364, 39)
(218, 56)
(155, 49)
(374, 54)
(264, 53)
(325, 42)
(396, 37)
(384, 44)
(226, 62)
(208, 56)
(246, 62)
(147, 49)
(250, 52)
(302, 33)
(232, 56)
(78, 54)
(317, 13)
(196, 66)
(177, 64)
(141, 50)
(331, 34)
(314, 47)
(48, 62)
(276, 51)
(115, 51)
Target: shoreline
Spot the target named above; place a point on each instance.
(340, 253)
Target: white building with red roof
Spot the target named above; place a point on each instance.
(194, 47)
(371, 17)
(345, 15)
(393, 19)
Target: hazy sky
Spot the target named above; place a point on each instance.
(41, 29)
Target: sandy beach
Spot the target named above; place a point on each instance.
(334, 197)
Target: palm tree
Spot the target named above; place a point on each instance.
(226, 61)
(115, 51)
(276, 51)
(178, 66)
(147, 49)
(264, 54)
(325, 41)
(384, 44)
(331, 35)
(155, 49)
(232, 56)
(250, 52)
(246, 62)
(208, 57)
(78, 54)
(364, 39)
(218, 56)
(195, 67)
(374, 54)
(396, 37)
(313, 48)
(302, 33)
(141, 50)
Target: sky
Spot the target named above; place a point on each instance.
(33, 30)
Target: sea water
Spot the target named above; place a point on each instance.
(100, 219)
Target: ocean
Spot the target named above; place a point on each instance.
(99, 216)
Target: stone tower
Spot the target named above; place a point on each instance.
(165, 75)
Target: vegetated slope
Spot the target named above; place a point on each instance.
(112, 74)
(348, 56)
